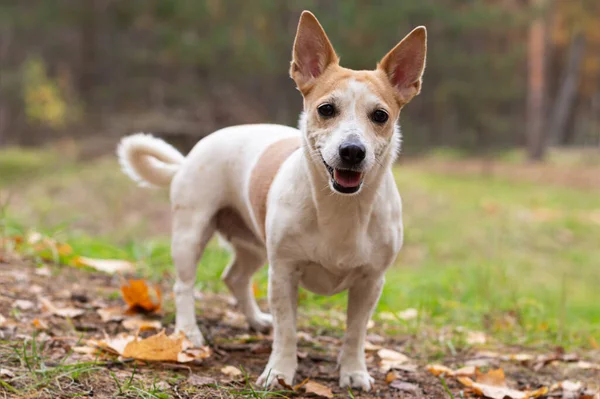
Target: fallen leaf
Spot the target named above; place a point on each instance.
(408, 314)
(23, 304)
(586, 365)
(391, 377)
(300, 385)
(493, 377)
(390, 359)
(200, 380)
(137, 295)
(62, 312)
(371, 347)
(476, 338)
(317, 389)
(39, 324)
(85, 350)
(110, 266)
(43, 271)
(139, 324)
(114, 313)
(231, 371)
(284, 384)
(404, 386)
(7, 373)
(438, 369)
(2, 320)
(159, 347)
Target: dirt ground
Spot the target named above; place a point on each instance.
(50, 368)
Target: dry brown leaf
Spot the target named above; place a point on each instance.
(438, 369)
(7, 373)
(139, 298)
(85, 350)
(390, 359)
(476, 338)
(517, 357)
(39, 324)
(586, 365)
(369, 347)
(300, 385)
(231, 371)
(391, 376)
(114, 313)
(404, 386)
(160, 347)
(2, 320)
(200, 381)
(23, 304)
(317, 389)
(493, 377)
(69, 313)
(110, 266)
(139, 324)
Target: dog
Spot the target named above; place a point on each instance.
(318, 203)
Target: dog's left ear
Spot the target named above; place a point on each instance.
(405, 63)
(313, 51)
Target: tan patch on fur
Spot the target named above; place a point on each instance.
(264, 173)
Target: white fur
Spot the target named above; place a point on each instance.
(315, 237)
(147, 160)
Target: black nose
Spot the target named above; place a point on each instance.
(352, 152)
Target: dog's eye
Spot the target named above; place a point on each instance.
(379, 116)
(326, 110)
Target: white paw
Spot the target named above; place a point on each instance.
(261, 322)
(193, 334)
(270, 378)
(356, 379)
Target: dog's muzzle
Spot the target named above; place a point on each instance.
(344, 181)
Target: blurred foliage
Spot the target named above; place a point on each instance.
(225, 61)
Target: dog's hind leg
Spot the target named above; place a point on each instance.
(192, 229)
(238, 278)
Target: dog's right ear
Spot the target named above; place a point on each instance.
(313, 52)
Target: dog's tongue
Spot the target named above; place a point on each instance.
(347, 178)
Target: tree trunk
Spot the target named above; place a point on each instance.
(536, 87)
(567, 92)
(5, 41)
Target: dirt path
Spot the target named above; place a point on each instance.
(50, 368)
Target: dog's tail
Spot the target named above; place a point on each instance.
(148, 160)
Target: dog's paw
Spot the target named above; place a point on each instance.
(262, 322)
(356, 379)
(193, 334)
(270, 378)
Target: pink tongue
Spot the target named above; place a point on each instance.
(346, 178)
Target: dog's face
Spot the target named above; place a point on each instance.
(351, 116)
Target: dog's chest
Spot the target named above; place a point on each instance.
(334, 265)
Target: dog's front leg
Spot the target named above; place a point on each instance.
(362, 298)
(283, 300)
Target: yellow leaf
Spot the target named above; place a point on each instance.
(391, 376)
(317, 389)
(137, 295)
(493, 377)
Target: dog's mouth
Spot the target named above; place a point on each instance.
(344, 181)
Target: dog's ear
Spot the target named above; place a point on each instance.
(312, 53)
(405, 63)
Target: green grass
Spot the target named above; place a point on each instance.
(517, 260)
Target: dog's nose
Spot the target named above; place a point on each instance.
(352, 152)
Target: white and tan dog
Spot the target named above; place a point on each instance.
(319, 204)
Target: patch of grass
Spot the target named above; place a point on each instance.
(514, 259)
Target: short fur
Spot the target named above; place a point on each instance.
(289, 211)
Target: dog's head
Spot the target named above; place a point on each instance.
(350, 117)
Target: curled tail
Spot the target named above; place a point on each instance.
(148, 160)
